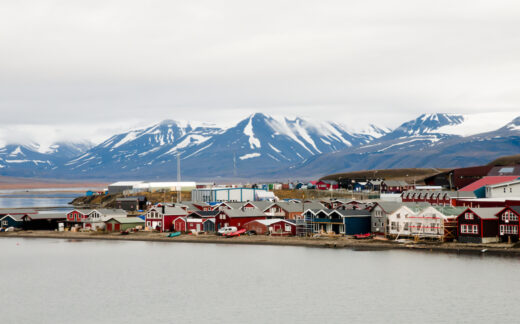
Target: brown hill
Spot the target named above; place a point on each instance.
(506, 160)
(410, 174)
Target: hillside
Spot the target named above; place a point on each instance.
(411, 174)
(506, 160)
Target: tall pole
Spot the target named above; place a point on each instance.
(178, 177)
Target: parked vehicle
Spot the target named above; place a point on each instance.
(226, 230)
(174, 234)
(236, 233)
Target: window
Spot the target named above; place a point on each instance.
(398, 216)
(469, 229)
(5, 223)
(287, 227)
(468, 216)
(149, 224)
(406, 226)
(393, 226)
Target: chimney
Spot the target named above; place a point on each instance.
(163, 209)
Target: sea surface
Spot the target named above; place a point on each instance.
(49, 199)
(85, 281)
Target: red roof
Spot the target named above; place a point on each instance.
(488, 181)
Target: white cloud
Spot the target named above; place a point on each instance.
(95, 64)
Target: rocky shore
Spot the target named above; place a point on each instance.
(320, 242)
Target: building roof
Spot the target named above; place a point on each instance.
(486, 213)
(487, 181)
(291, 207)
(262, 205)
(354, 213)
(396, 183)
(205, 213)
(449, 210)
(127, 220)
(47, 216)
(233, 205)
(505, 170)
(124, 183)
(269, 222)
(243, 213)
(110, 211)
(16, 217)
(505, 184)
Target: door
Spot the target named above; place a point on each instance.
(109, 227)
(117, 227)
(198, 227)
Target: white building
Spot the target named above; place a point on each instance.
(228, 194)
(97, 217)
(509, 189)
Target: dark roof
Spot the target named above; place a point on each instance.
(516, 209)
(47, 216)
(354, 213)
(205, 213)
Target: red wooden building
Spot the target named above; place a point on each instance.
(279, 227)
(478, 225)
(327, 185)
(237, 217)
(508, 224)
(163, 217)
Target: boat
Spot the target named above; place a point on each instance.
(174, 234)
(236, 233)
(362, 236)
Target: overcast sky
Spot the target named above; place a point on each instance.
(88, 68)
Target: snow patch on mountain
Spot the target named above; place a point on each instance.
(248, 131)
(250, 156)
(473, 124)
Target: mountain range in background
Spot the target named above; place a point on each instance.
(263, 147)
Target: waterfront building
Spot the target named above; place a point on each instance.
(273, 226)
(508, 223)
(478, 225)
(356, 221)
(165, 218)
(237, 217)
(116, 224)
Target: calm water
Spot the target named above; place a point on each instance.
(36, 198)
(58, 281)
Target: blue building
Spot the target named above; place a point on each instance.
(356, 221)
(11, 221)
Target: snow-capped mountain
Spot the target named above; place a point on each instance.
(426, 124)
(259, 142)
(429, 141)
(262, 146)
(32, 160)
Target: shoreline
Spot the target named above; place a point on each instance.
(495, 249)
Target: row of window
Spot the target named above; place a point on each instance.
(414, 227)
(469, 229)
(508, 229)
(507, 215)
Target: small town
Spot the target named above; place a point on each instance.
(481, 209)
